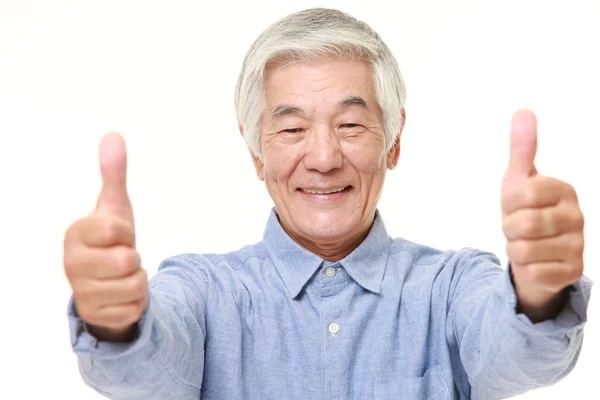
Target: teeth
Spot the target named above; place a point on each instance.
(323, 191)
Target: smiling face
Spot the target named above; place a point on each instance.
(324, 159)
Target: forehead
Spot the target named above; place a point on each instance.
(322, 82)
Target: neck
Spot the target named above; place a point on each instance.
(331, 250)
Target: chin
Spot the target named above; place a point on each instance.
(328, 226)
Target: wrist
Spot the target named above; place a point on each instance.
(105, 334)
(540, 305)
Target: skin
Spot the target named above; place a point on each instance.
(543, 225)
(322, 129)
(110, 287)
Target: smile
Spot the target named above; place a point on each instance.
(325, 191)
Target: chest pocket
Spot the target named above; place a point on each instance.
(431, 386)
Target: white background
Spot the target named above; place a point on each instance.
(163, 74)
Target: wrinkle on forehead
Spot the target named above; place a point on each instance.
(319, 76)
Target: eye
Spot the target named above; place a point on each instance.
(349, 126)
(292, 130)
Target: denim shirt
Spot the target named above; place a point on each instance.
(392, 320)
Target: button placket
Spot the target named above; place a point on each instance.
(330, 272)
(333, 279)
(334, 328)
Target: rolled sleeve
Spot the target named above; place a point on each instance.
(502, 351)
(166, 357)
(83, 342)
(569, 321)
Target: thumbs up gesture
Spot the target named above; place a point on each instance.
(543, 225)
(100, 260)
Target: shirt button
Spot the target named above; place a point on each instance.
(334, 328)
(330, 272)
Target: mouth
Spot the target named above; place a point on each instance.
(326, 191)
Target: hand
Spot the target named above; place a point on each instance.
(109, 286)
(543, 225)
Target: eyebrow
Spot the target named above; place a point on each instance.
(286, 109)
(353, 100)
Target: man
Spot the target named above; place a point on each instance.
(327, 305)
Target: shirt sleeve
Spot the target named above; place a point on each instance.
(166, 358)
(501, 351)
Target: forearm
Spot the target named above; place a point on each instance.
(502, 351)
(520, 355)
(150, 363)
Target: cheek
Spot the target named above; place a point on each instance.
(280, 163)
(367, 160)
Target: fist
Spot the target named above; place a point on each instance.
(542, 222)
(100, 260)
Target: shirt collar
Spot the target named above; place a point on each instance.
(296, 265)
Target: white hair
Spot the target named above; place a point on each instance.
(312, 35)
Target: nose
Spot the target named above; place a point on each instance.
(323, 152)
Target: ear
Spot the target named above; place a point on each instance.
(394, 153)
(258, 164)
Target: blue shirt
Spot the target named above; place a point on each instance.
(393, 320)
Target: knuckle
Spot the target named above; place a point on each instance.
(575, 271)
(86, 313)
(512, 253)
(137, 285)
(74, 261)
(578, 244)
(131, 314)
(520, 251)
(531, 196)
(137, 312)
(506, 227)
(570, 191)
(125, 260)
(143, 278)
(84, 295)
(141, 307)
(578, 220)
(71, 264)
(110, 228)
(578, 272)
(527, 249)
(510, 227)
(530, 223)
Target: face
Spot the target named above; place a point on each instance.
(324, 160)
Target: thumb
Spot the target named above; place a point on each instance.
(523, 145)
(113, 197)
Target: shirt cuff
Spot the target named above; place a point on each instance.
(83, 342)
(571, 318)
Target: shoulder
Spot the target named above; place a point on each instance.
(421, 254)
(208, 266)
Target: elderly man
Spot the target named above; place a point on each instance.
(327, 305)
